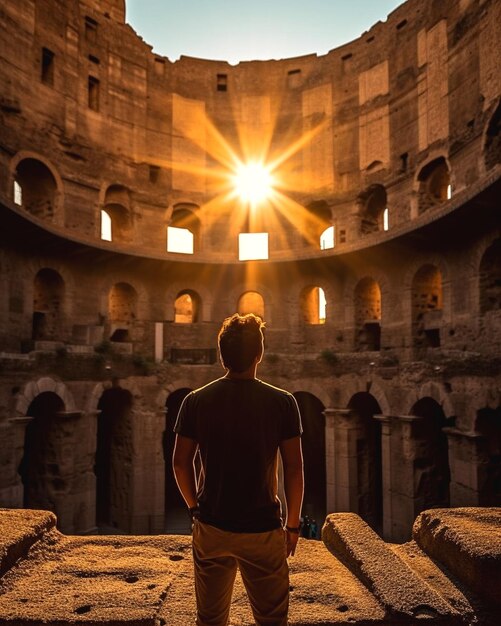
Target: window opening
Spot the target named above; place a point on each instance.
(179, 240)
(186, 308)
(251, 302)
(327, 239)
(154, 173)
(93, 59)
(90, 29)
(106, 230)
(342, 236)
(18, 194)
(47, 75)
(386, 219)
(449, 192)
(404, 158)
(222, 82)
(252, 246)
(313, 305)
(93, 96)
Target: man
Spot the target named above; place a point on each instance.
(239, 423)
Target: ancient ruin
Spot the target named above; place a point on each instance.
(376, 264)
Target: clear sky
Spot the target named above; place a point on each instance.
(244, 30)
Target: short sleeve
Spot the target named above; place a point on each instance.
(185, 423)
(291, 420)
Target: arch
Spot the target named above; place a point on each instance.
(122, 311)
(426, 304)
(313, 442)
(113, 462)
(43, 385)
(372, 204)
(187, 307)
(313, 305)
(175, 508)
(318, 218)
(35, 188)
(490, 278)
(42, 465)
(56, 197)
(367, 433)
(434, 184)
(183, 230)
(48, 305)
(251, 302)
(488, 425)
(492, 144)
(367, 305)
(116, 204)
(431, 462)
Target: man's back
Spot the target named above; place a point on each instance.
(238, 425)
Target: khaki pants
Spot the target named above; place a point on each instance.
(261, 558)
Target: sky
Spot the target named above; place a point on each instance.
(246, 30)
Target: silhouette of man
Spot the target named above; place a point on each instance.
(239, 423)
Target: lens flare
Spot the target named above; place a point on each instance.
(253, 182)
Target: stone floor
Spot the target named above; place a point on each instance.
(352, 578)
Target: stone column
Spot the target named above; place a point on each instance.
(386, 423)
(464, 462)
(64, 488)
(330, 460)
(12, 493)
(343, 461)
(84, 473)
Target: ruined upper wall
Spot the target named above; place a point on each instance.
(397, 119)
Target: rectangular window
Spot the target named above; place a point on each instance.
(47, 73)
(252, 246)
(93, 59)
(222, 82)
(90, 29)
(342, 236)
(179, 240)
(294, 78)
(93, 93)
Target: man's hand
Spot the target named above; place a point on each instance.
(291, 540)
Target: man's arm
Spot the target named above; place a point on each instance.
(184, 470)
(292, 459)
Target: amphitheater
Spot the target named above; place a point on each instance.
(375, 261)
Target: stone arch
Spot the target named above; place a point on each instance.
(427, 306)
(116, 203)
(367, 308)
(312, 303)
(45, 199)
(184, 217)
(313, 388)
(437, 392)
(367, 443)
(317, 218)
(433, 183)
(492, 141)
(251, 302)
(48, 305)
(490, 278)
(204, 294)
(187, 307)
(431, 459)
(42, 385)
(349, 386)
(313, 444)
(371, 203)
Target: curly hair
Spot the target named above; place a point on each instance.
(240, 341)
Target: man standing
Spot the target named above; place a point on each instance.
(239, 423)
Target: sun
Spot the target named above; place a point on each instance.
(253, 182)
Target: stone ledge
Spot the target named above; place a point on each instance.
(20, 530)
(402, 592)
(468, 542)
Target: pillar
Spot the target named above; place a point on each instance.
(12, 490)
(386, 422)
(465, 465)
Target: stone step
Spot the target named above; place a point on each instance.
(400, 590)
(20, 529)
(468, 542)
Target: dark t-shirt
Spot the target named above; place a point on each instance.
(238, 425)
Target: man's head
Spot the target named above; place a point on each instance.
(241, 341)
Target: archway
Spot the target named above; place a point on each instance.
(35, 188)
(431, 463)
(114, 460)
(48, 298)
(313, 305)
(41, 466)
(368, 455)
(176, 519)
(183, 232)
(372, 204)
(434, 184)
(117, 208)
(313, 442)
(490, 278)
(187, 307)
(122, 313)
(251, 302)
(427, 307)
(367, 315)
(318, 218)
(489, 483)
